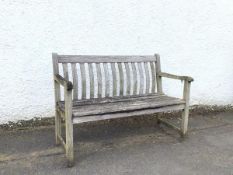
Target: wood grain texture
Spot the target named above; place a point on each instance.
(132, 78)
(114, 77)
(65, 71)
(107, 80)
(69, 128)
(104, 59)
(126, 114)
(83, 74)
(178, 77)
(121, 105)
(153, 72)
(158, 70)
(57, 92)
(99, 78)
(75, 81)
(91, 75)
(185, 113)
(107, 87)
(128, 78)
(95, 80)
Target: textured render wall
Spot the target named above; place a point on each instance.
(193, 37)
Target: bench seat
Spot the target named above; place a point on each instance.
(99, 109)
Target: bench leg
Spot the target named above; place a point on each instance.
(69, 128)
(57, 126)
(185, 112)
(184, 122)
(69, 143)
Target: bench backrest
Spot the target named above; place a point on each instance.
(109, 76)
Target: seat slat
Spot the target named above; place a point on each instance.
(127, 104)
(127, 114)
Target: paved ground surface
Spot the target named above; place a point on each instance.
(123, 147)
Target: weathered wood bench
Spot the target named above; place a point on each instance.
(107, 87)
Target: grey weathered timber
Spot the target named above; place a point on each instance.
(75, 81)
(104, 59)
(69, 127)
(167, 75)
(108, 87)
(57, 96)
(185, 112)
(158, 70)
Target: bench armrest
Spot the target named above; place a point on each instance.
(167, 75)
(68, 84)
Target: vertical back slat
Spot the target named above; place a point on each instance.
(131, 75)
(91, 75)
(110, 79)
(124, 79)
(128, 78)
(79, 75)
(153, 72)
(83, 81)
(99, 77)
(75, 81)
(141, 78)
(107, 81)
(114, 82)
(138, 79)
(148, 77)
(121, 86)
(118, 80)
(87, 77)
(134, 79)
(144, 77)
(95, 84)
(65, 71)
(103, 83)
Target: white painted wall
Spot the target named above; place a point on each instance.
(193, 37)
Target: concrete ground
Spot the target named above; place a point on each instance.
(123, 147)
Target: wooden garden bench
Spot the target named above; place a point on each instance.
(107, 87)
